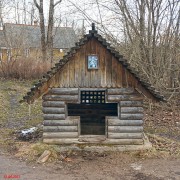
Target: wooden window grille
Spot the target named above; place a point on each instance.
(92, 97)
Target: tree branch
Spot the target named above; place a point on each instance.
(37, 5)
(57, 2)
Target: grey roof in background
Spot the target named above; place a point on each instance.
(19, 35)
(2, 43)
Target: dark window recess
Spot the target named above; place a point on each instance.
(92, 97)
(92, 116)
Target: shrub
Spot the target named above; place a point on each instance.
(24, 68)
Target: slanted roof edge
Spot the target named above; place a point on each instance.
(32, 95)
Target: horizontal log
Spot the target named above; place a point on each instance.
(125, 129)
(107, 141)
(53, 110)
(73, 122)
(118, 91)
(124, 141)
(131, 109)
(117, 98)
(125, 135)
(73, 118)
(60, 134)
(94, 138)
(60, 128)
(60, 141)
(131, 116)
(92, 112)
(118, 122)
(67, 98)
(54, 116)
(64, 91)
(53, 104)
(131, 103)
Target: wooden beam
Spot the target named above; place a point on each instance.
(63, 91)
(131, 103)
(60, 128)
(67, 98)
(54, 116)
(131, 116)
(120, 91)
(125, 129)
(107, 141)
(60, 134)
(125, 135)
(118, 122)
(131, 110)
(117, 98)
(53, 104)
(53, 110)
(72, 122)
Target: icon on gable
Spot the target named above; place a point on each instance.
(92, 62)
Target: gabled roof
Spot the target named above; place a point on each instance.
(38, 89)
(30, 36)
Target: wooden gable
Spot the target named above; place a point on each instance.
(72, 71)
(75, 73)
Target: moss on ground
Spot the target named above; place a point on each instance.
(13, 115)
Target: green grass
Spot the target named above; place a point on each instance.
(13, 115)
(8, 109)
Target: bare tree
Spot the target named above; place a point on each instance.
(146, 32)
(47, 43)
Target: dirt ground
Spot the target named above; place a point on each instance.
(85, 166)
(113, 166)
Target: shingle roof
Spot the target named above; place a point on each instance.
(36, 90)
(30, 36)
(2, 43)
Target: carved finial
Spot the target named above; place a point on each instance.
(93, 26)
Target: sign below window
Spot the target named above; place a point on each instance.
(93, 62)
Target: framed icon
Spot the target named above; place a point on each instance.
(93, 62)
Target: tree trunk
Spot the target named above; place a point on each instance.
(50, 31)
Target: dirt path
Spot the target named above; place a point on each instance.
(110, 167)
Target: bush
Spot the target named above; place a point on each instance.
(24, 68)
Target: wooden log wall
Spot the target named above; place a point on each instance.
(129, 123)
(124, 129)
(57, 125)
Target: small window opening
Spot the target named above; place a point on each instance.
(92, 97)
